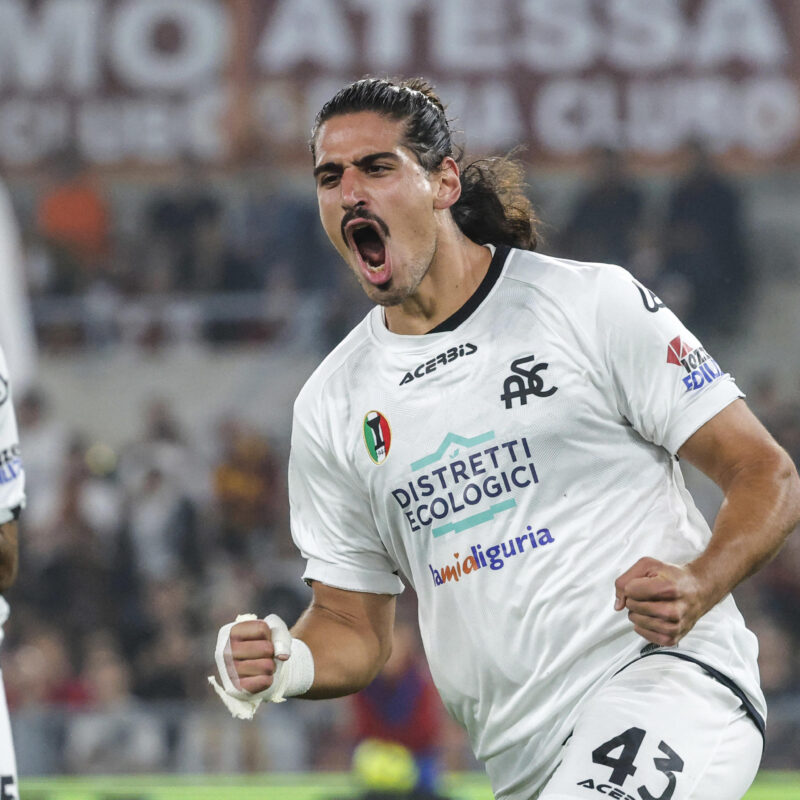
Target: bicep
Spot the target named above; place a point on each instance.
(350, 636)
(731, 441)
(370, 613)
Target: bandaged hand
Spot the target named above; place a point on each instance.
(258, 660)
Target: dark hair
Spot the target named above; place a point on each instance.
(493, 207)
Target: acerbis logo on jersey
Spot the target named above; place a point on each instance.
(525, 380)
(439, 361)
(377, 436)
(696, 361)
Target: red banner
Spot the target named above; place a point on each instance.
(145, 82)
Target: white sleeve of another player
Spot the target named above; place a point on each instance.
(12, 475)
(664, 381)
(331, 518)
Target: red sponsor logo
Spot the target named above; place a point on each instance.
(677, 350)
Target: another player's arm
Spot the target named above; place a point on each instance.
(760, 509)
(9, 555)
(349, 635)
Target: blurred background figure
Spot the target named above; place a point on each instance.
(607, 214)
(73, 218)
(705, 243)
(402, 705)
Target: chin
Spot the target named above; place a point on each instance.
(385, 295)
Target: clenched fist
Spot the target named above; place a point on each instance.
(664, 601)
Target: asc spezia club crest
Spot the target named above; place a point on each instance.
(377, 436)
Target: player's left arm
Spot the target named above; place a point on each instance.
(761, 507)
(9, 555)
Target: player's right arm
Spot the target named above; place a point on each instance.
(348, 633)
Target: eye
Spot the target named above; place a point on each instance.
(328, 179)
(377, 169)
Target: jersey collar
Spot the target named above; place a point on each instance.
(479, 295)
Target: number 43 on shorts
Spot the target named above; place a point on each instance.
(619, 755)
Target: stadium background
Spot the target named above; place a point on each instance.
(165, 290)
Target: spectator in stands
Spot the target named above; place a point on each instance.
(607, 214)
(173, 218)
(402, 705)
(249, 490)
(73, 217)
(45, 441)
(705, 243)
(117, 735)
(41, 671)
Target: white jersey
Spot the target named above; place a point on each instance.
(511, 468)
(12, 475)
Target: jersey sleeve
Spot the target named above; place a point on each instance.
(331, 517)
(664, 381)
(12, 475)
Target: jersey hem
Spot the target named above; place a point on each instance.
(705, 409)
(352, 580)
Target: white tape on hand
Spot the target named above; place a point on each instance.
(294, 669)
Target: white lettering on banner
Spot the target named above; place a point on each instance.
(30, 131)
(306, 30)
(204, 34)
(469, 35)
(488, 111)
(109, 131)
(747, 30)
(277, 112)
(55, 47)
(573, 114)
(557, 35)
(644, 35)
(318, 93)
(156, 131)
(771, 115)
(662, 114)
(559, 75)
(387, 35)
(762, 115)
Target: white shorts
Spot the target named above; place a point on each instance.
(662, 729)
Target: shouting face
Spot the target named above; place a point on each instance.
(377, 203)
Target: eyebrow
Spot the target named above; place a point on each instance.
(365, 161)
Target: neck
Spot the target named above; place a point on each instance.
(457, 269)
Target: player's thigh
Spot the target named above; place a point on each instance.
(663, 729)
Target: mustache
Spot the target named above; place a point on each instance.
(359, 213)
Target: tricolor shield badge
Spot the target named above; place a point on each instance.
(377, 436)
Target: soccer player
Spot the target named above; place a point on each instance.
(503, 431)
(12, 500)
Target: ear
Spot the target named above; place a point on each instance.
(448, 180)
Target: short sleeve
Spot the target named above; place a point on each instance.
(331, 517)
(12, 474)
(664, 381)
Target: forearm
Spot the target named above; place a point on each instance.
(760, 509)
(347, 653)
(9, 555)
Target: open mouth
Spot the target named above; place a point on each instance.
(367, 240)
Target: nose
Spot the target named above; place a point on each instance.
(352, 189)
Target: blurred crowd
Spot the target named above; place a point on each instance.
(133, 556)
(214, 257)
(242, 257)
